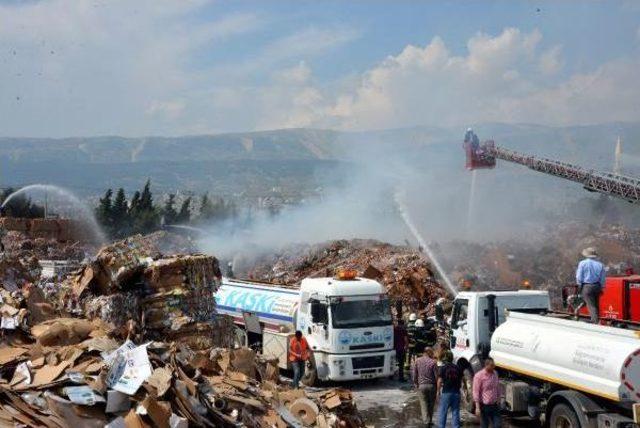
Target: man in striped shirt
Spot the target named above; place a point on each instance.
(486, 394)
(425, 377)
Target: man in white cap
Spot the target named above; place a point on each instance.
(590, 277)
(471, 137)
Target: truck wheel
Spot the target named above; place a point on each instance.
(562, 416)
(467, 391)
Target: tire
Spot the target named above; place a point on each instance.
(466, 396)
(310, 377)
(563, 416)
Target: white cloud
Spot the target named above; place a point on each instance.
(297, 74)
(550, 61)
(171, 109)
(85, 68)
(503, 78)
(118, 67)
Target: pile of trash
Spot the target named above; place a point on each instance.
(404, 270)
(545, 262)
(20, 245)
(18, 271)
(68, 372)
(58, 229)
(132, 339)
(131, 283)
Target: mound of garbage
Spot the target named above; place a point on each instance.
(547, 261)
(132, 339)
(404, 270)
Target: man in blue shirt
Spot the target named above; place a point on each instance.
(590, 277)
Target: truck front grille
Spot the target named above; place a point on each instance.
(367, 346)
(367, 362)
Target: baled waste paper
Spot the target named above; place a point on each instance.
(134, 340)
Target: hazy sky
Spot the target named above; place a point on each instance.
(165, 67)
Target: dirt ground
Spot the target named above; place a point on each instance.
(386, 403)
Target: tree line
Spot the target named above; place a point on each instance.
(120, 216)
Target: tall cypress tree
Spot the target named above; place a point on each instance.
(104, 211)
(145, 218)
(146, 198)
(169, 212)
(206, 208)
(120, 214)
(185, 211)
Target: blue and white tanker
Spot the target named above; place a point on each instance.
(346, 321)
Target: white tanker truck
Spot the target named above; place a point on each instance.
(346, 321)
(577, 375)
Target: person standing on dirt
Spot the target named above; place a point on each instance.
(400, 344)
(486, 394)
(425, 377)
(298, 355)
(590, 277)
(449, 384)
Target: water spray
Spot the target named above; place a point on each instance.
(85, 212)
(399, 197)
(471, 207)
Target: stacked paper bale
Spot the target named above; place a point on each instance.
(164, 297)
(178, 300)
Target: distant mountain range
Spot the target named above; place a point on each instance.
(290, 159)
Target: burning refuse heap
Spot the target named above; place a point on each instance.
(132, 339)
(547, 261)
(405, 271)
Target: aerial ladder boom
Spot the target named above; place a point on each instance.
(483, 156)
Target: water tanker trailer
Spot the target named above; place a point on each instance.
(569, 373)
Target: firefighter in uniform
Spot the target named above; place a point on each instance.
(420, 337)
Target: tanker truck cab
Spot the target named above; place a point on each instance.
(346, 321)
(475, 316)
(348, 326)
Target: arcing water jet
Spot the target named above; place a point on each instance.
(399, 199)
(79, 207)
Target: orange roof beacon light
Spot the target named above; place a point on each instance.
(346, 274)
(526, 284)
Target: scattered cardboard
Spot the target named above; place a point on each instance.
(332, 402)
(8, 354)
(160, 379)
(47, 374)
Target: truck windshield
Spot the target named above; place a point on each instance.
(361, 313)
